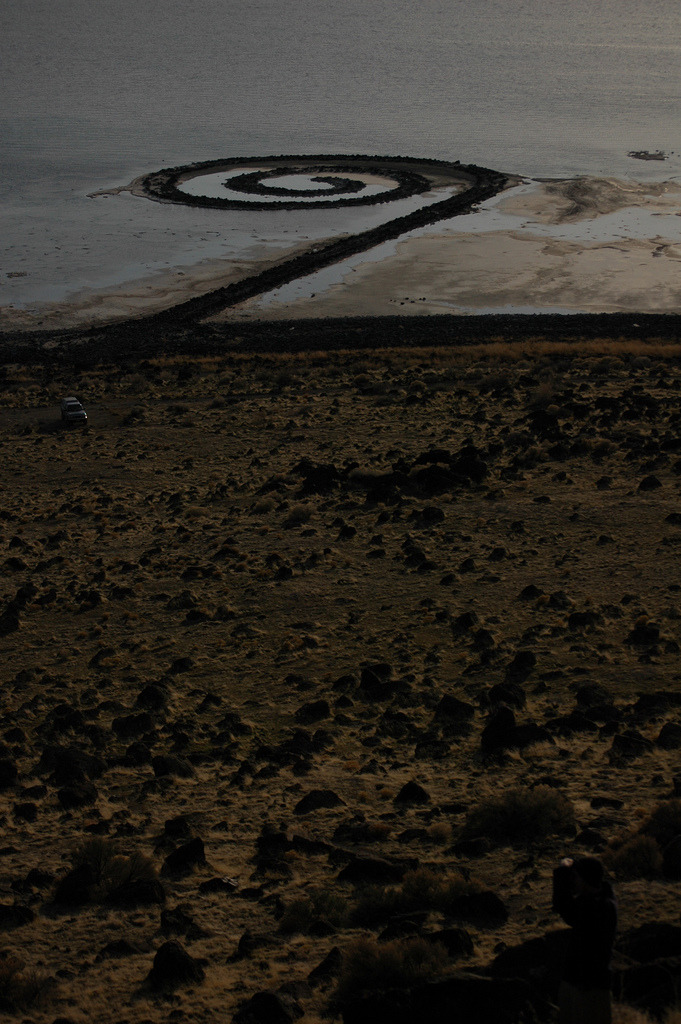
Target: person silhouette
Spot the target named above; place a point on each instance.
(586, 902)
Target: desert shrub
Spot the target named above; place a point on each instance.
(542, 396)
(19, 989)
(372, 966)
(136, 415)
(321, 904)
(423, 889)
(664, 824)
(297, 515)
(637, 857)
(521, 816)
(112, 869)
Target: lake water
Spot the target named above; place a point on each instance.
(93, 95)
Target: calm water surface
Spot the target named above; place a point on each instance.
(93, 95)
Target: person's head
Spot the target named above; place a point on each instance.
(589, 874)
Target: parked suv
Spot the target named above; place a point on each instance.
(72, 411)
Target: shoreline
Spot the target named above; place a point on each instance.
(132, 343)
(571, 248)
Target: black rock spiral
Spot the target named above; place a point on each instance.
(407, 176)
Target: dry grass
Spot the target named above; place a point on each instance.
(423, 889)
(175, 521)
(371, 966)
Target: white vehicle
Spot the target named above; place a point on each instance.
(72, 411)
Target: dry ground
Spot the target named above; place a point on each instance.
(182, 542)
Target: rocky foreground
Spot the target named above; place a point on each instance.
(313, 667)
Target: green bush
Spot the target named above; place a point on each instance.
(522, 816)
(372, 966)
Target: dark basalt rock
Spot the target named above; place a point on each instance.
(116, 950)
(477, 1000)
(9, 773)
(671, 859)
(14, 916)
(669, 737)
(457, 941)
(522, 665)
(651, 941)
(644, 634)
(451, 710)
(173, 966)
(317, 799)
(129, 726)
(628, 745)
(170, 764)
(79, 794)
(463, 623)
(268, 1008)
(70, 765)
(412, 793)
(499, 729)
(314, 711)
(583, 620)
(77, 887)
(508, 693)
(329, 968)
(185, 858)
(141, 892)
(374, 869)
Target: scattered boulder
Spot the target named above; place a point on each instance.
(316, 799)
(671, 859)
(173, 966)
(412, 793)
(14, 916)
(521, 666)
(476, 999)
(314, 711)
(498, 731)
(185, 858)
(329, 968)
(628, 745)
(669, 737)
(80, 794)
(268, 1008)
(374, 870)
(138, 892)
(77, 887)
(9, 773)
(651, 941)
(171, 764)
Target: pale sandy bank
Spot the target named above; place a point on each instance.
(589, 245)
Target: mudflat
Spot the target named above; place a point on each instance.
(290, 645)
